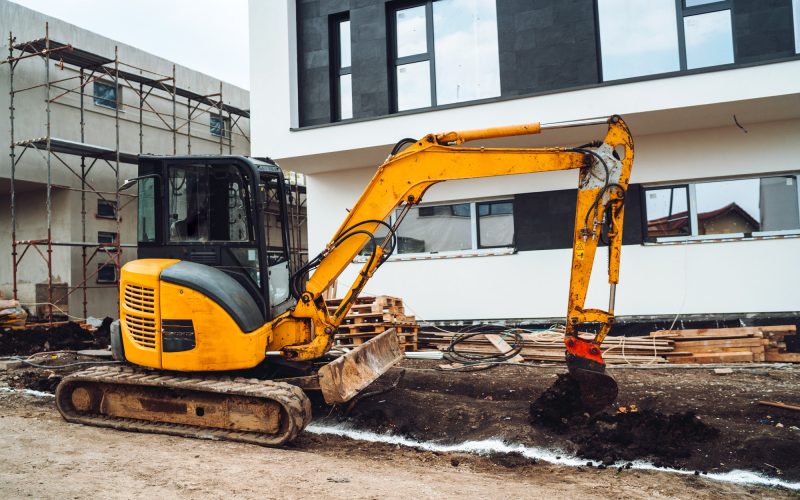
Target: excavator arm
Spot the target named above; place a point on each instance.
(403, 179)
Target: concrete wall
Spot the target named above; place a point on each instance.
(31, 172)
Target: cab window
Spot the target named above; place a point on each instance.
(208, 203)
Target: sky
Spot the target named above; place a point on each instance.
(210, 36)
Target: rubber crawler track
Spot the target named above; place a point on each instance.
(296, 406)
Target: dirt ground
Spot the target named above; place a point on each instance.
(44, 457)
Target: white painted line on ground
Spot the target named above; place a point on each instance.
(29, 392)
(489, 446)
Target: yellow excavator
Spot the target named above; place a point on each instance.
(210, 302)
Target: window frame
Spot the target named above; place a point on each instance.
(337, 70)
(681, 12)
(110, 203)
(105, 265)
(477, 222)
(100, 101)
(475, 251)
(226, 125)
(695, 236)
(689, 209)
(428, 56)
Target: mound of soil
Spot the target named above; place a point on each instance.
(647, 434)
(731, 429)
(622, 436)
(559, 407)
(69, 336)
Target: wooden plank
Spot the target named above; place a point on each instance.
(711, 350)
(502, 346)
(782, 357)
(709, 332)
(720, 357)
(686, 345)
(776, 404)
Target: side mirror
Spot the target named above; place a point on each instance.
(129, 183)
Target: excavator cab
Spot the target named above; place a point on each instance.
(212, 210)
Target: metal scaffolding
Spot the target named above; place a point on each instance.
(91, 68)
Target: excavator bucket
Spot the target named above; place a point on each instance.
(597, 389)
(342, 379)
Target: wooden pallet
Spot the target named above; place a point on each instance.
(370, 305)
(408, 340)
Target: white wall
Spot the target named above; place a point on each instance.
(731, 277)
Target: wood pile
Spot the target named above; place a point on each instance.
(730, 345)
(549, 346)
(372, 315)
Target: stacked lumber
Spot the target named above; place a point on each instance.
(549, 346)
(729, 345)
(12, 315)
(373, 315)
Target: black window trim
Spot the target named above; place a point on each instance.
(646, 219)
(697, 238)
(337, 70)
(478, 204)
(395, 61)
(681, 11)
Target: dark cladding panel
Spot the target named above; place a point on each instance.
(546, 45)
(313, 64)
(546, 220)
(370, 77)
(763, 29)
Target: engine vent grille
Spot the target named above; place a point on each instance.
(140, 298)
(142, 330)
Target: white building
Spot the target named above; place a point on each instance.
(711, 91)
(100, 102)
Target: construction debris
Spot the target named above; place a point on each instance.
(54, 337)
(12, 315)
(548, 346)
(373, 315)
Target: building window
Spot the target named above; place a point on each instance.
(220, 126)
(445, 52)
(107, 95)
(639, 37)
(107, 273)
(456, 227)
(708, 38)
(106, 209)
(740, 207)
(495, 224)
(342, 77)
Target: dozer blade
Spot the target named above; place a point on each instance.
(348, 375)
(597, 390)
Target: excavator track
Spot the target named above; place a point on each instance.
(262, 412)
